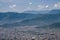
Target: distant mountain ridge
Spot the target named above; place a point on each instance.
(12, 19)
(54, 11)
(12, 16)
(54, 25)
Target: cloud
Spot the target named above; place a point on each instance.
(40, 6)
(12, 6)
(57, 5)
(28, 8)
(30, 3)
(46, 6)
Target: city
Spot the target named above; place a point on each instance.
(24, 34)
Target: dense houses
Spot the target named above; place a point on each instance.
(19, 34)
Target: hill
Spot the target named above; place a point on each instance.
(13, 19)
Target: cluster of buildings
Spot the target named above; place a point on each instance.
(16, 34)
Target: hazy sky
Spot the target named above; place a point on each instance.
(23, 5)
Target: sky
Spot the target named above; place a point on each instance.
(24, 5)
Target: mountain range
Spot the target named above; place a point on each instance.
(51, 26)
(29, 18)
